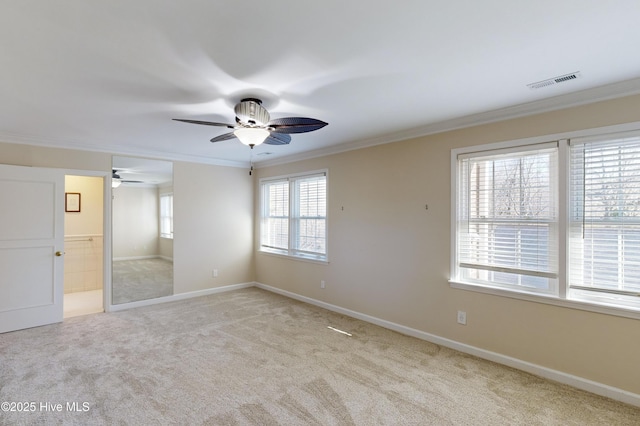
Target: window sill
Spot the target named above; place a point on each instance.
(292, 257)
(619, 311)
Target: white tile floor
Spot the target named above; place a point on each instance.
(82, 303)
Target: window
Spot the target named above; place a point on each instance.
(294, 216)
(526, 227)
(166, 215)
(508, 219)
(604, 242)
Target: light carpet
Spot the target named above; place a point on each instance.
(141, 279)
(250, 357)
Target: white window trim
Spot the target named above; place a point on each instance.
(563, 160)
(283, 254)
(289, 253)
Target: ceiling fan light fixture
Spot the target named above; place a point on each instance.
(251, 136)
(254, 125)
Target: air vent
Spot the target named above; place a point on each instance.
(553, 81)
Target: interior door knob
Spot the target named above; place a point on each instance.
(59, 253)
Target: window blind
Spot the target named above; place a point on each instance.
(309, 214)
(166, 215)
(275, 215)
(605, 216)
(508, 217)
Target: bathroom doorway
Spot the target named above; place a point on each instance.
(83, 245)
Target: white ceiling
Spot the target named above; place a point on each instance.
(142, 171)
(110, 75)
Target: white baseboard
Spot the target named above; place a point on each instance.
(555, 375)
(149, 256)
(176, 297)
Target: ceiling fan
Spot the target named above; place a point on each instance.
(116, 180)
(255, 126)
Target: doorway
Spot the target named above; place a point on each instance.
(83, 245)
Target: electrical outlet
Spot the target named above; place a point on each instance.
(322, 284)
(214, 274)
(462, 317)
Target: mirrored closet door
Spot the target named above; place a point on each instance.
(142, 215)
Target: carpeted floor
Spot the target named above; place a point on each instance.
(141, 279)
(250, 357)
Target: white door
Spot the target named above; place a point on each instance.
(31, 247)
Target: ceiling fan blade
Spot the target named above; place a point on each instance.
(295, 124)
(224, 137)
(277, 139)
(206, 123)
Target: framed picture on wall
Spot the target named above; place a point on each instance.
(72, 202)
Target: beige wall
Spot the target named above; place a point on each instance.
(135, 222)
(390, 257)
(165, 248)
(36, 156)
(89, 220)
(213, 226)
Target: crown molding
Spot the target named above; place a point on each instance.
(118, 150)
(583, 97)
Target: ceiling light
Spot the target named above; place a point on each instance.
(251, 136)
(115, 183)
